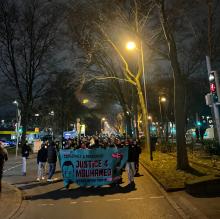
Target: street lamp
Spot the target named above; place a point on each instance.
(131, 46)
(102, 120)
(161, 100)
(85, 101)
(18, 122)
(51, 113)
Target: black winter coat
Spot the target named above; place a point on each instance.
(42, 155)
(3, 158)
(132, 153)
(51, 154)
(25, 151)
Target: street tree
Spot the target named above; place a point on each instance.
(27, 36)
(104, 47)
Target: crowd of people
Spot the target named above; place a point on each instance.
(91, 142)
(47, 155)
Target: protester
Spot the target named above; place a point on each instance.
(52, 159)
(41, 162)
(25, 154)
(137, 154)
(3, 158)
(130, 166)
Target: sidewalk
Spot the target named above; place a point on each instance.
(193, 207)
(11, 197)
(10, 200)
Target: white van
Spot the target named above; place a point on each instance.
(191, 135)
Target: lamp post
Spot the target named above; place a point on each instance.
(51, 113)
(18, 122)
(161, 100)
(131, 46)
(102, 120)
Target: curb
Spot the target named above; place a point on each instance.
(161, 189)
(180, 206)
(166, 188)
(19, 200)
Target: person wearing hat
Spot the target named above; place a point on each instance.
(3, 158)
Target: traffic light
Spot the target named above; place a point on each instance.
(20, 130)
(198, 123)
(214, 85)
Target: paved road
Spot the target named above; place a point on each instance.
(44, 200)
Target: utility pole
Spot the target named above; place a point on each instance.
(213, 76)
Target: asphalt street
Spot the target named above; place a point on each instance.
(51, 200)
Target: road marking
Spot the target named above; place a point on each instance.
(73, 203)
(135, 198)
(46, 204)
(155, 197)
(115, 199)
(87, 201)
(12, 168)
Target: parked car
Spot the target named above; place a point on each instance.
(7, 144)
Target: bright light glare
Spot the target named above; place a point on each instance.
(163, 99)
(211, 77)
(131, 45)
(103, 119)
(85, 101)
(149, 117)
(15, 102)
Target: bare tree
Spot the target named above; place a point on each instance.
(27, 33)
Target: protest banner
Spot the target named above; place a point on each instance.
(92, 167)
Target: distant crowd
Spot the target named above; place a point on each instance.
(48, 153)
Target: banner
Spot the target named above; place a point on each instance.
(92, 167)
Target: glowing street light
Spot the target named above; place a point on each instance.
(103, 119)
(163, 99)
(130, 45)
(85, 101)
(15, 102)
(51, 113)
(149, 117)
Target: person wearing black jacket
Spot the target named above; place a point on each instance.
(130, 165)
(51, 159)
(25, 154)
(3, 158)
(137, 154)
(41, 162)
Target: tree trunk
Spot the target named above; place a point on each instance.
(128, 125)
(180, 115)
(179, 91)
(145, 117)
(24, 124)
